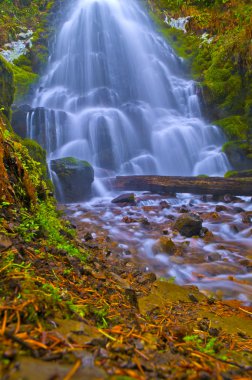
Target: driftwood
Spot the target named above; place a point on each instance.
(194, 185)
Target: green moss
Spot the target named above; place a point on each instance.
(230, 173)
(38, 154)
(235, 127)
(239, 174)
(23, 80)
(6, 87)
(68, 161)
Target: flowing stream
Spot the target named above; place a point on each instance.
(116, 95)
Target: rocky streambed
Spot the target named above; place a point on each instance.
(195, 240)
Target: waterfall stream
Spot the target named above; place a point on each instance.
(115, 94)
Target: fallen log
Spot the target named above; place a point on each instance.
(194, 185)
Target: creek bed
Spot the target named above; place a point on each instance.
(220, 263)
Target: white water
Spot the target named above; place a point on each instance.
(116, 95)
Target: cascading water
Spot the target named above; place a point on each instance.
(116, 95)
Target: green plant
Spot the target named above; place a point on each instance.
(205, 347)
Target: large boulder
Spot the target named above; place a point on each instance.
(125, 199)
(74, 179)
(188, 225)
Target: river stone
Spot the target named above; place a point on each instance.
(125, 199)
(75, 176)
(188, 225)
(164, 245)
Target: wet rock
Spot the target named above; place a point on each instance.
(203, 232)
(147, 278)
(18, 120)
(247, 217)
(204, 324)
(164, 245)
(220, 208)
(234, 228)
(227, 198)
(144, 222)
(238, 210)
(188, 225)
(164, 204)
(128, 220)
(5, 242)
(88, 236)
(75, 176)
(183, 210)
(214, 257)
(128, 199)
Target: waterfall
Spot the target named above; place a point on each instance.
(115, 94)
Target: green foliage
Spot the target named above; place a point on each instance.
(23, 79)
(39, 155)
(221, 61)
(79, 310)
(235, 127)
(6, 87)
(230, 173)
(46, 224)
(205, 347)
(100, 316)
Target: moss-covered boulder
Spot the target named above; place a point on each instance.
(73, 179)
(6, 87)
(188, 225)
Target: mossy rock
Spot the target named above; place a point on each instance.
(165, 245)
(188, 225)
(74, 179)
(7, 88)
(239, 174)
(38, 154)
(238, 154)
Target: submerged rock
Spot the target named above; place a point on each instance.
(75, 179)
(164, 245)
(188, 225)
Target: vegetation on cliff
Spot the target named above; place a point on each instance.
(218, 50)
(18, 17)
